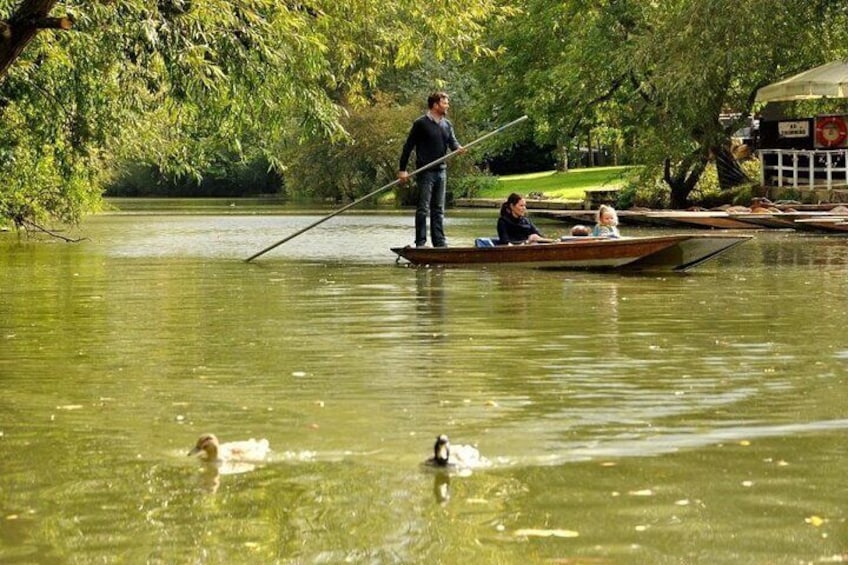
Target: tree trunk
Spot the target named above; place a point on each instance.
(562, 156)
(683, 181)
(730, 174)
(18, 31)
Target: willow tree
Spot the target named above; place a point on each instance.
(178, 83)
(661, 72)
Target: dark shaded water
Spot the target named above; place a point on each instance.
(698, 418)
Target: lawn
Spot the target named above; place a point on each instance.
(564, 186)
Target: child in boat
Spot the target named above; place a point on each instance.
(607, 222)
(514, 227)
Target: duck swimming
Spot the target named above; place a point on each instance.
(459, 456)
(252, 450)
(441, 452)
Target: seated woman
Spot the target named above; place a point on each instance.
(514, 227)
(607, 222)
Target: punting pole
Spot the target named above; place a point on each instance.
(382, 188)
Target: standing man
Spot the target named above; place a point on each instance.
(431, 136)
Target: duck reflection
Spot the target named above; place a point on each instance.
(440, 462)
(209, 479)
(441, 486)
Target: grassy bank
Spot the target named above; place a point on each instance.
(565, 186)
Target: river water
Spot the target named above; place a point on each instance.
(697, 418)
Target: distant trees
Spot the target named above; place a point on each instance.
(191, 85)
(659, 73)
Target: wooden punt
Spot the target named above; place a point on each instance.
(832, 224)
(699, 219)
(780, 220)
(705, 219)
(652, 253)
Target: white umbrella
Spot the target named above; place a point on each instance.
(827, 81)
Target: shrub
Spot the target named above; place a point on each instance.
(471, 185)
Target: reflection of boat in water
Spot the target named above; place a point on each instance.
(653, 253)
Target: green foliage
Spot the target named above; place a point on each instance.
(642, 192)
(474, 185)
(191, 89)
(368, 158)
(660, 73)
(709, 194)
(353, 166)
(569, 185)
(648, 191)
(323, 92)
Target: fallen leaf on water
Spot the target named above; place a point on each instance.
(532, 532)
(815, 521)
(643, 492)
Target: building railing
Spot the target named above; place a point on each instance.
(804, 168)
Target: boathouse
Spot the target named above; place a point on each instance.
(807, 154)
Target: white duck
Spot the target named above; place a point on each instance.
(249, 451)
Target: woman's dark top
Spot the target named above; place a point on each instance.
(515, 230)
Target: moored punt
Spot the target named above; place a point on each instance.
(782, 220)
(655, 218)
(778, 221)
(653, 253)
(831, 224)
(567, 216)
(705, 219)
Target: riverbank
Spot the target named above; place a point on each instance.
(576, 189)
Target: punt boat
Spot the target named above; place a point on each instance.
(651, 253)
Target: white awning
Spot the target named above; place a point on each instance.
(827, 81)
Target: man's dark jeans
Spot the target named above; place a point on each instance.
(431, 202)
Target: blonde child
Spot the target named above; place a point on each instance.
(607, 222)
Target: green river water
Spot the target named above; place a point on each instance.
(697, 418)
